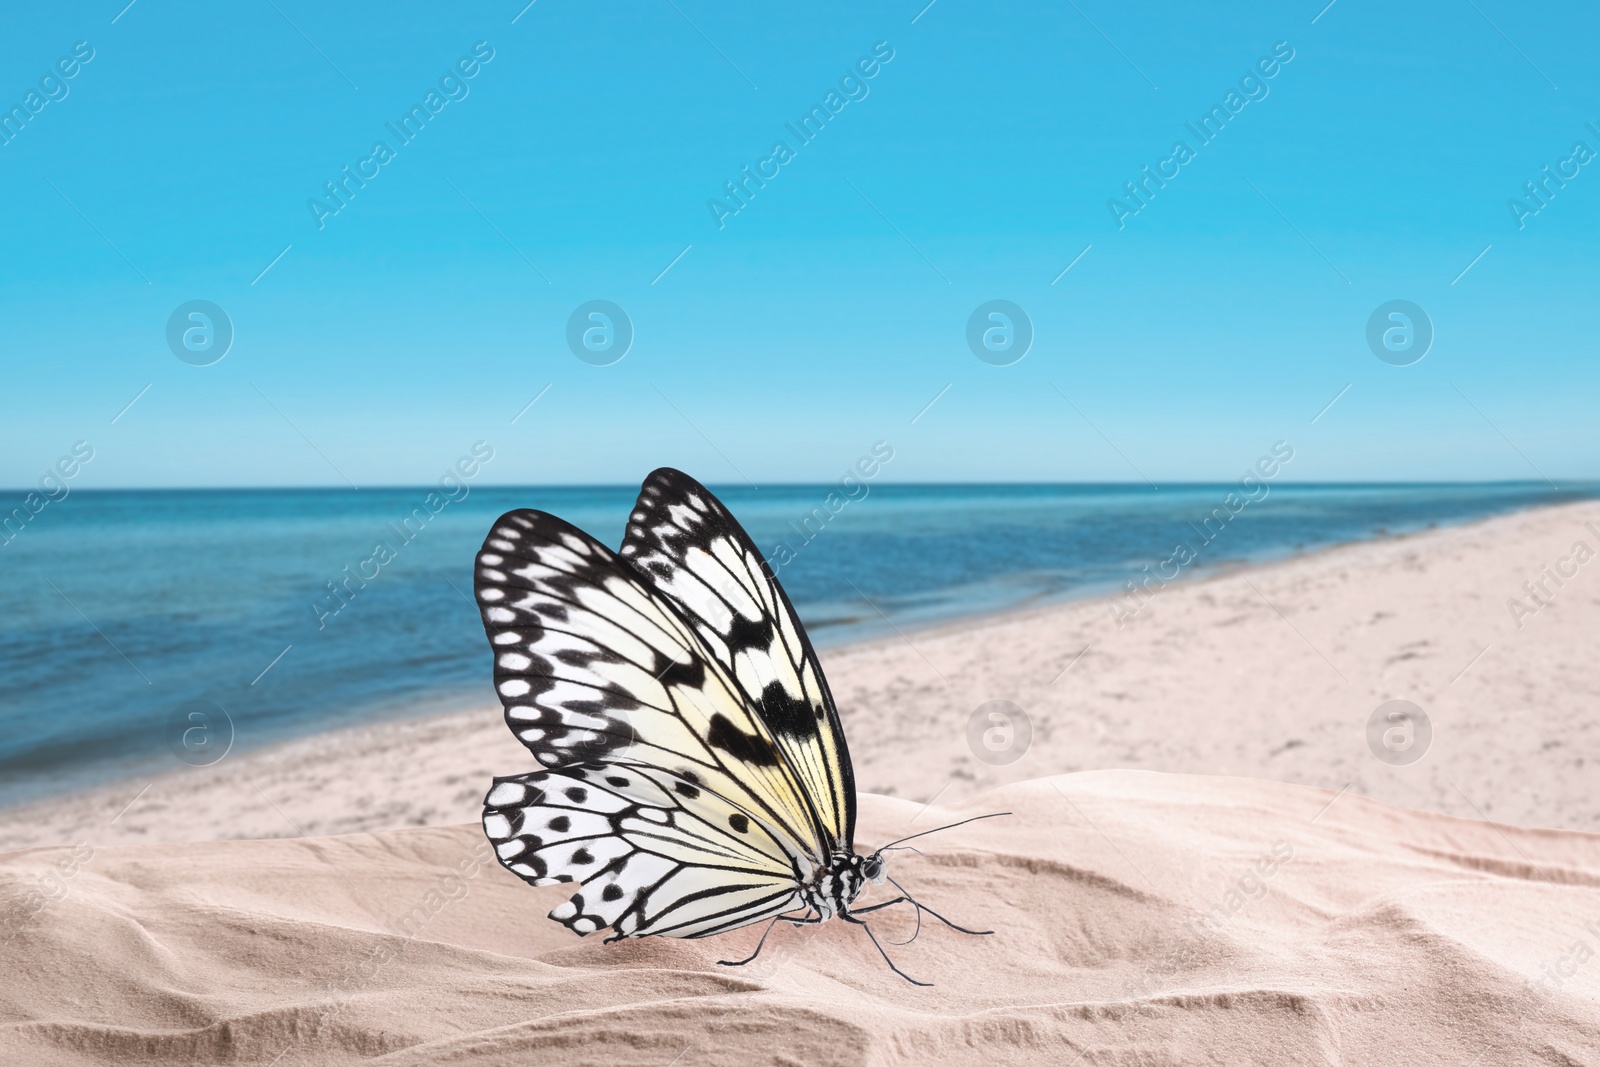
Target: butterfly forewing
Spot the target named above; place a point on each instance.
(596, 667)
(697, 555)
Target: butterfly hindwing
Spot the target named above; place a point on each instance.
(595, 666)
(695, 553)
(653, 858)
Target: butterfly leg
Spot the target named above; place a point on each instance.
(887, 903)
(759, 944)
(883, 904)
(881, 952)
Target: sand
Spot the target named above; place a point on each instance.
(1207, 863)
(1140, 918)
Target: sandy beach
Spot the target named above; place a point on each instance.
(1207, 864)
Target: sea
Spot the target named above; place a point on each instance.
(146, 630)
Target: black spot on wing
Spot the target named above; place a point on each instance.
(739, 822)
(735, 742)
(746, 633)
(691, 675)
(783, 714)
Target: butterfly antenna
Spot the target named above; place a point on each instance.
(951, 826)
(884, 954)
(921, 907)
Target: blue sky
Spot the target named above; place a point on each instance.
(577, 164)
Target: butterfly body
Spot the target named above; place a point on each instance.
(836, 886)
(694, 776)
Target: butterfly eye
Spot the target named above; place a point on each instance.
(872, 870)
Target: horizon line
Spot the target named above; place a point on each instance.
(1570, 485)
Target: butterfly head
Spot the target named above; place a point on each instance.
(873, 868)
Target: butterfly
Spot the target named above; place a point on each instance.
(694, 776)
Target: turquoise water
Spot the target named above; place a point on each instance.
(120, 610)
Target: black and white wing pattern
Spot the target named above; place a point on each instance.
(604, 679)
(696, 554)
(653, 857)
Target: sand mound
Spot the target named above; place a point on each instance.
(1141, 918)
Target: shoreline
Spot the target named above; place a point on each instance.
(1200, 572)
(1046, 604)
(1095, 696)
(445, 702)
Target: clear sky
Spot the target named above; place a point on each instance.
(978, 161)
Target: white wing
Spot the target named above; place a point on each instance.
(694, 551)
(652, 860)
(597, 668)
